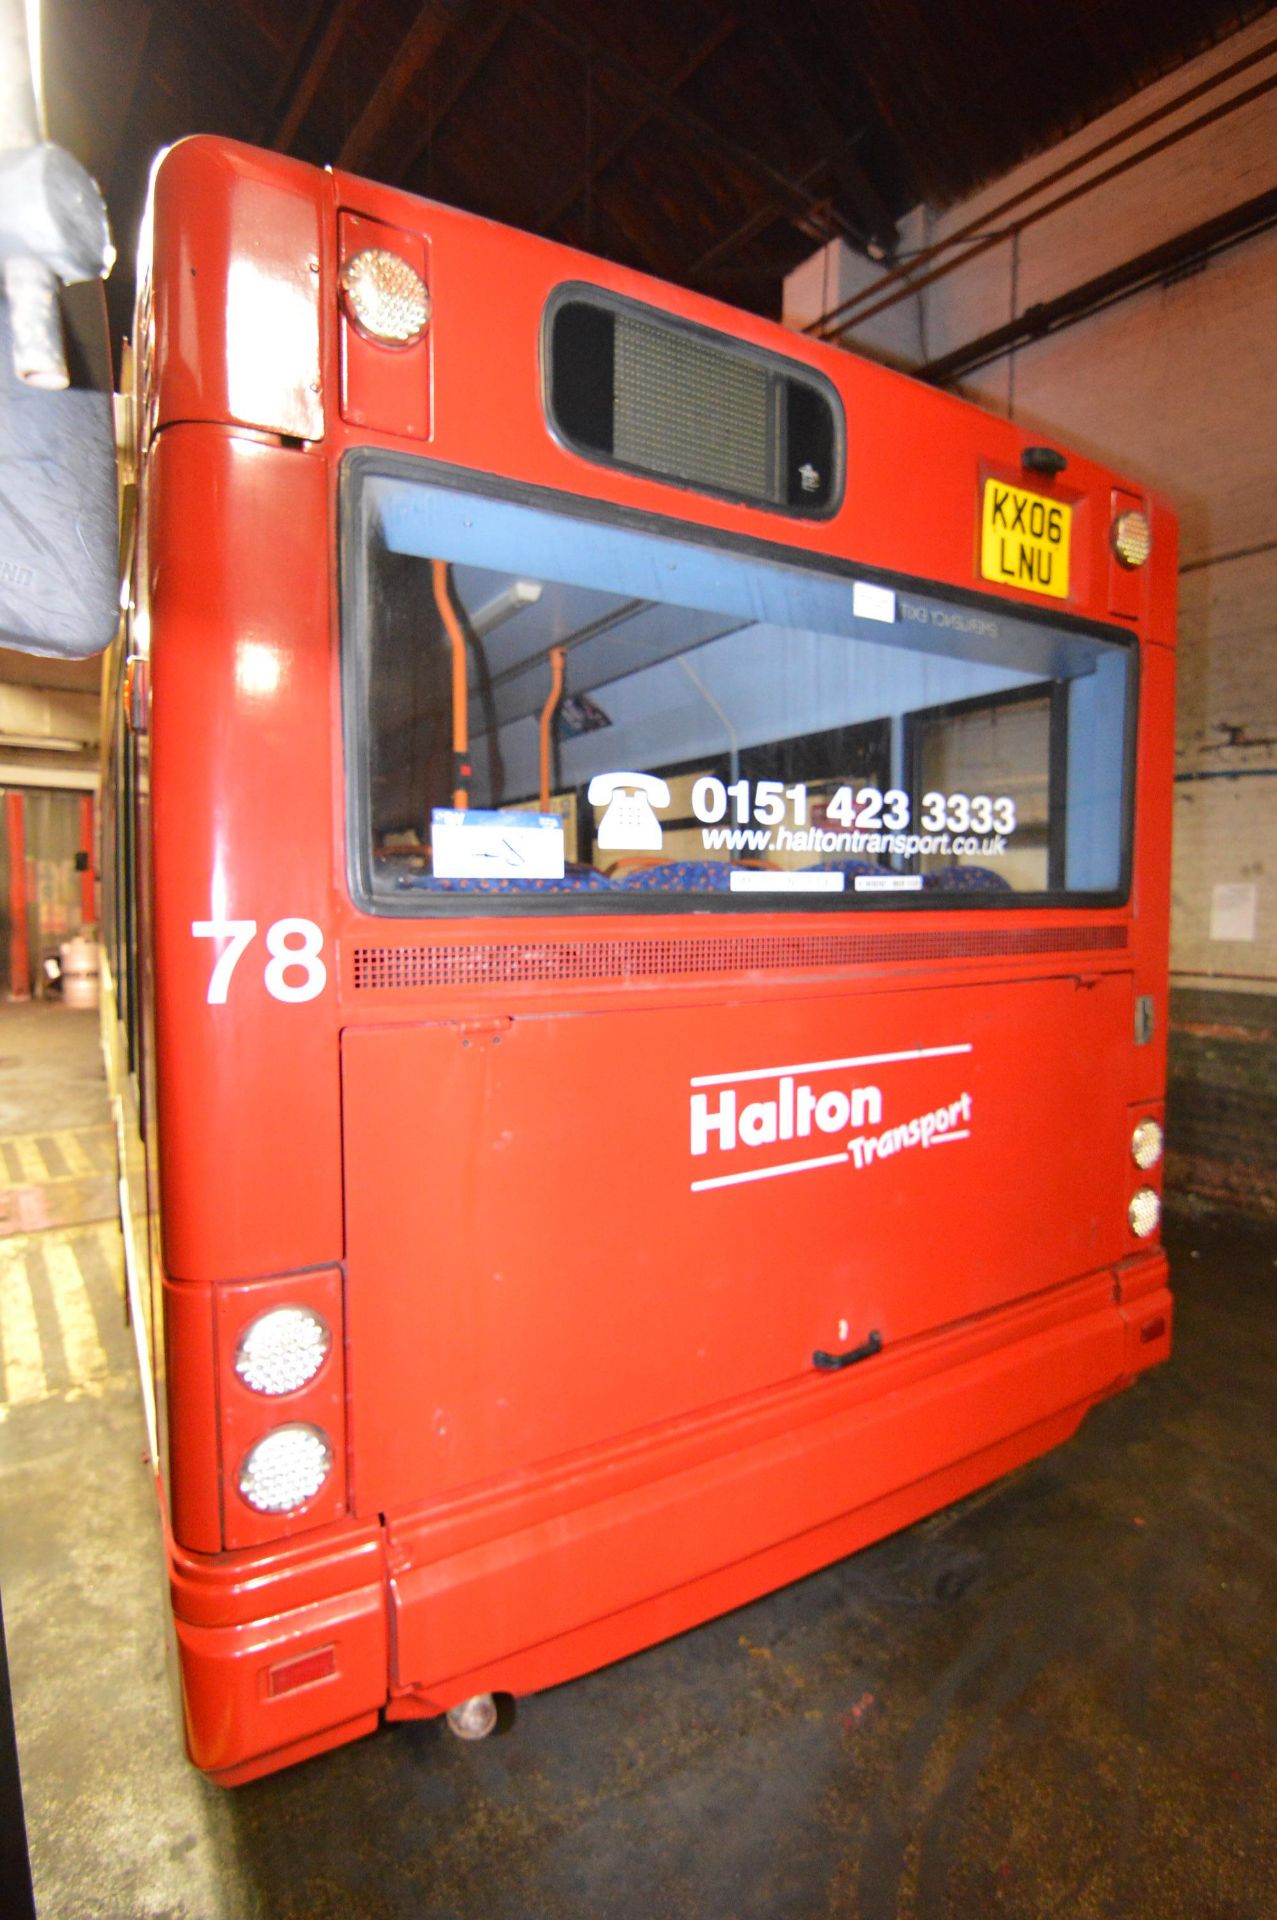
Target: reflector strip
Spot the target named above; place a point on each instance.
(304, 1671)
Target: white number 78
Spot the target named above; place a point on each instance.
(284, 959)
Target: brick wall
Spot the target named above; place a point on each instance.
(1223, 1068)
(1176, 385)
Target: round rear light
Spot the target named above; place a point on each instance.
(285, 1468)
(385, 297)
(1146, 1145)
(1144, 1212)
(1132, 538)
(282, 1349)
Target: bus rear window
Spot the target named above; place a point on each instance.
(546, 713)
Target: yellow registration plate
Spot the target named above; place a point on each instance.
(1024, 540)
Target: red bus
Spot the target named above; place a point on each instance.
(637, 916)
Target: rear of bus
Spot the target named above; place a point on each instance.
(660, 860)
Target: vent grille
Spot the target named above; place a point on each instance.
(689, 410)
(473, 966)
(633, 387)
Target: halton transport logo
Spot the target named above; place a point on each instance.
(837, 1113)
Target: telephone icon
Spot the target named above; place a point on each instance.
(629, 825)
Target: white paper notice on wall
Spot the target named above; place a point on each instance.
(1233, 906)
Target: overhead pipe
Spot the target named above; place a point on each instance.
(1197, 244)
(866, 305)
(19, 948)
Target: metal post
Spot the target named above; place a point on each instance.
(88, 901)
(19, 946)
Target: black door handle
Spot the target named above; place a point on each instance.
(834, 1362)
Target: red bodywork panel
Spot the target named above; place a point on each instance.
(575, 1405)
(509, 1301)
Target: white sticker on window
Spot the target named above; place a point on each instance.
(888, 883)
(483, 845)
(629, 824)
(872, 603)
(764, 882)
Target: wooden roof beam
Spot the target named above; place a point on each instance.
(758, 222)
(870, 212)
(643, 117)
(434, 22)
(663, 106)
(314, 72)
(442, 100)
(650, 257)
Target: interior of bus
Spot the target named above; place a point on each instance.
(684, 717)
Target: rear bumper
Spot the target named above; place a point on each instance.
(282, 1652)
(607, 1568)
(525, 1584)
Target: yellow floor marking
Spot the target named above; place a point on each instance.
(35, 1170)
(80, 1343)
(23, 1362)
(78, 1161)
(32, 1161)
(94, 1126)
(111, 1241)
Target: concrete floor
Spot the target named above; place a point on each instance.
(1055, 1699)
